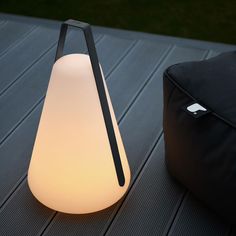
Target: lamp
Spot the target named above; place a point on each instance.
(78, 163)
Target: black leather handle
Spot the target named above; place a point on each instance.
(100, 87)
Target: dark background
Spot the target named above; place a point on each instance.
(212, 20)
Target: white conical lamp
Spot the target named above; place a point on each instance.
(78, 163)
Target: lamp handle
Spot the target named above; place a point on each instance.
(100, 87)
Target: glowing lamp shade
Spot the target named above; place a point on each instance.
(72, 167)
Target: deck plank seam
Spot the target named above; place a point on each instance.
(176, 212)
(22, 73)
(46, 225)
(128, 51)
(13, 189)
(18, 41)
(18, 124)
(133, 183)
(150, 77)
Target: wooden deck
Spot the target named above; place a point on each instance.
(133, 64)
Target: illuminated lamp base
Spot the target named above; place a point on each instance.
(72, 168)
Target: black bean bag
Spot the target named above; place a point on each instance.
(200, 129)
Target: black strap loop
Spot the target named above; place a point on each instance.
(100, 87)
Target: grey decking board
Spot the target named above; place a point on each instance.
(22, 91)
(129, 80)
(114, 56)
(15, 155)
(12, 33)
(17, 219)
(194, 218)
(193, 214)
(20, 58)
(89, 224)
(157, 68)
